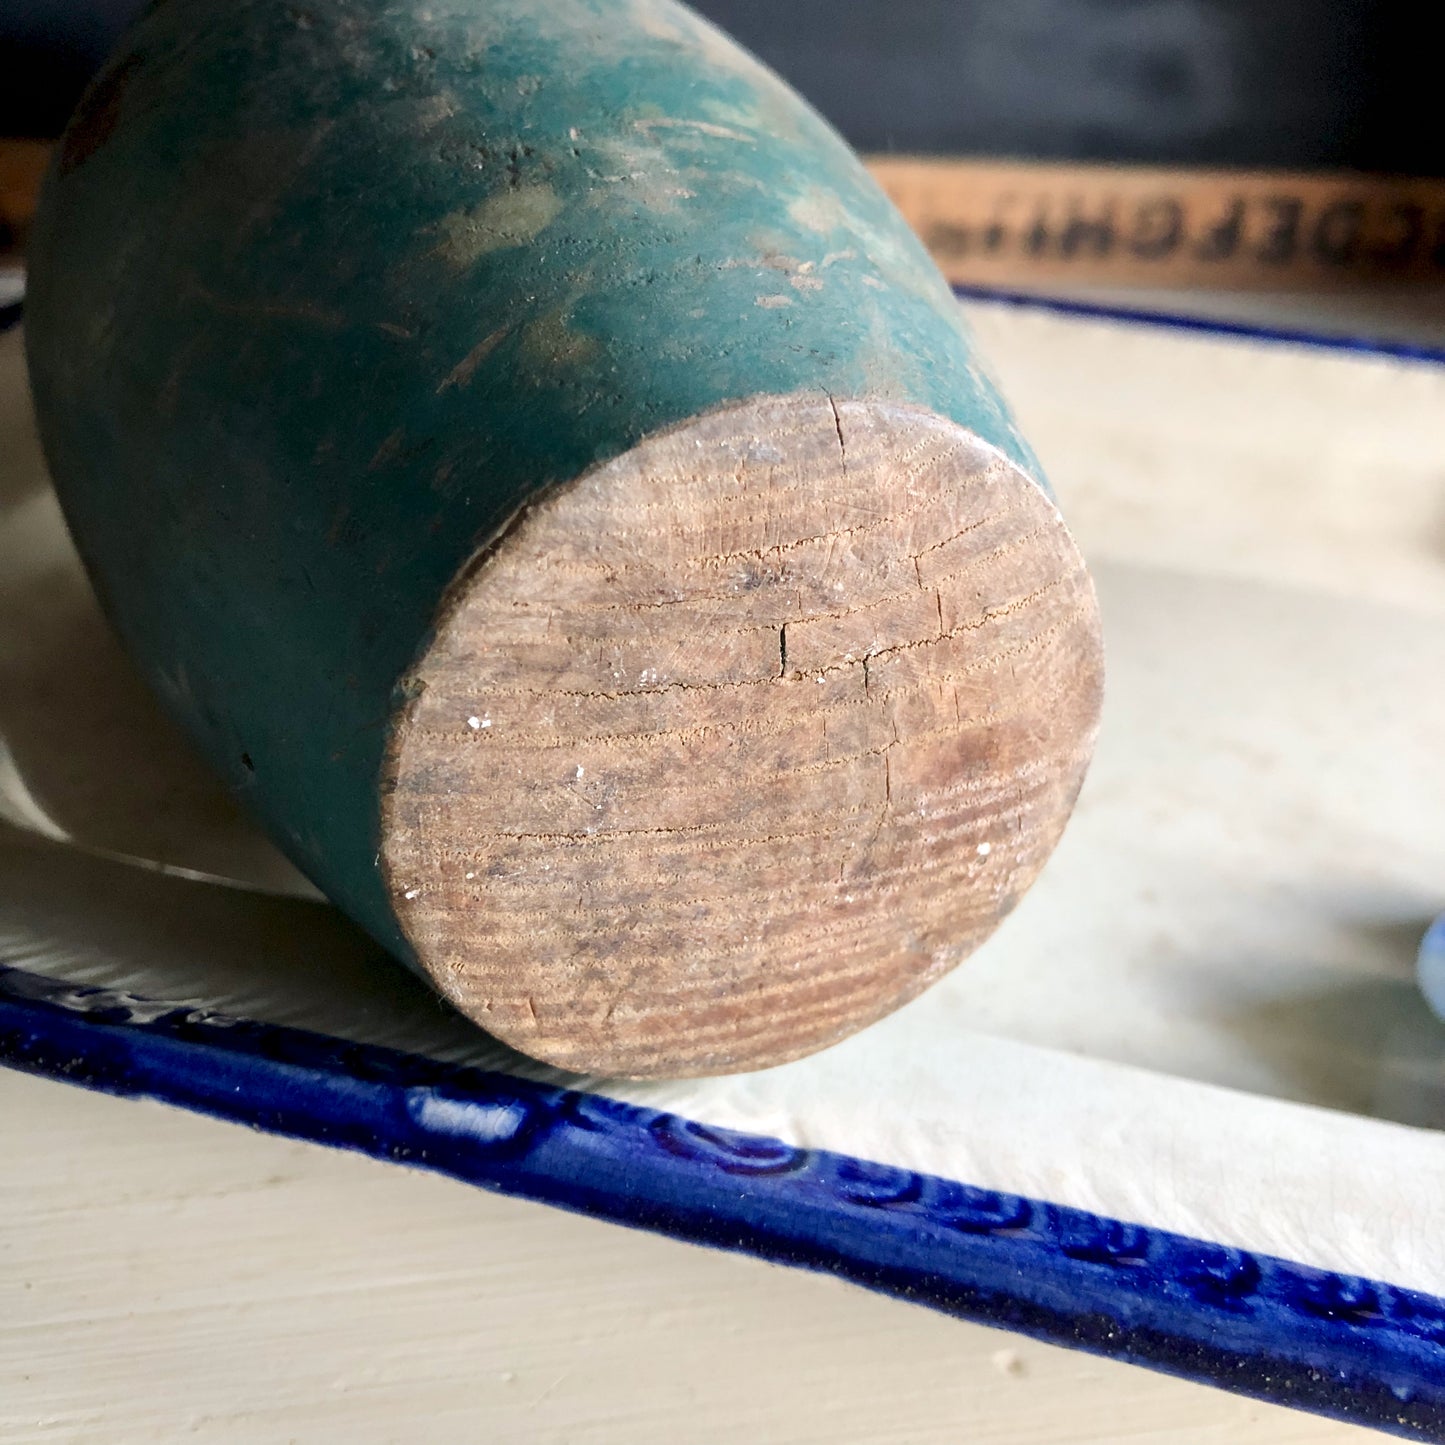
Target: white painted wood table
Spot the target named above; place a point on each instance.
(166, 1277)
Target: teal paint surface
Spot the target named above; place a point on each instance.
(322, 292)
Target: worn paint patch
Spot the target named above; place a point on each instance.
(657, 24)
(819, 211)
(510, 218)
(701, 127)
(550, 342)
(432, 110)
(747, 118)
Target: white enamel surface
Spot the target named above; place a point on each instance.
(1224, 942)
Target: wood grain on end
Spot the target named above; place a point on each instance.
(741, 740)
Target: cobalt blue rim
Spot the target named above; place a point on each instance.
(1177, 321)
(1356, 1349)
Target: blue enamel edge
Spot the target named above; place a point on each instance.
(1352, 1348)
(1175, 321)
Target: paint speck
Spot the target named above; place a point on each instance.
(412, 893)
(471, 875)
(820, 678)
(474, 723)
(580, 770)
(984, 849)
(1007, 1362)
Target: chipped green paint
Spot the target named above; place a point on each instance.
(323, 291)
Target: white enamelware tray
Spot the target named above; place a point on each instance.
(1185, 1108)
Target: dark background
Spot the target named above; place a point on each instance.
(1322, 84)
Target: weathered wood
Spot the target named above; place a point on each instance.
(447, 398)
(742, 740)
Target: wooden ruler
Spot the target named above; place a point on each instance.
(1011, 223)
(22, 164)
